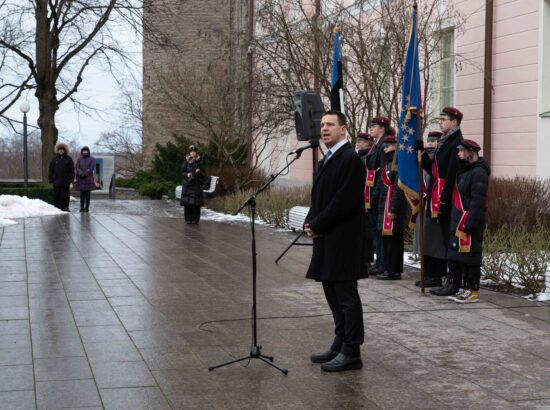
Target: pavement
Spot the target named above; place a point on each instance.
(126, 308)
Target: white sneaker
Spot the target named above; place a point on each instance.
(457, 294)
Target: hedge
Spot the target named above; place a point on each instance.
(38, 192)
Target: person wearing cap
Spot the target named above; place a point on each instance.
(464, 256)
(363, 144)
(392, 209)
(334, 223)
(84, 170)
(61, 175)
(443, 167)
(435, 248)
(379, 127)
(193, 176)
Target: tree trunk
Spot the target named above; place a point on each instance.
(47, 43)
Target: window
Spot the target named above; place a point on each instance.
(443, 74)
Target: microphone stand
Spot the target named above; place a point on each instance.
(256, 350)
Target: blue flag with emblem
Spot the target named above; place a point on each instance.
(337, 82)
(410, 122)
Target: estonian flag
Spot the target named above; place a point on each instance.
(410, 123)
(337, 83)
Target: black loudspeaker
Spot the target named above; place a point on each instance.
(308, 111)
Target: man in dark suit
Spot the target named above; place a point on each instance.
(335, 222)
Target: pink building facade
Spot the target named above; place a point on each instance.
(519, 134)
(519, 84)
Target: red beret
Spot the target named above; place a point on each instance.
(380, 120)
(365, 136)
(390, 139)
(469, 145)
(452, 112)
(434, 135)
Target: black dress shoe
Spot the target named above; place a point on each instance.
(429, 282)
(324, 357)
(389, 276)
(342, 363)
(447, 290)
(376, 270)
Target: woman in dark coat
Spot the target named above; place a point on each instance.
(392, 209)
(61, 175)
(193, 177)
(464, 255)
(84, 170)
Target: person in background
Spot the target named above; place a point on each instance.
(435, 248)
(363, 144)
(335, 221)
(193, 177)
(61, 175)
(464, 256)
(392, 209)
(379, 127)
(85, 183)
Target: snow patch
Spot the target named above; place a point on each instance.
(210, 215)
(13, 207)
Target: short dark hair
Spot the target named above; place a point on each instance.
(342, 120)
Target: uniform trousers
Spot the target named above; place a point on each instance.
(347, 312)
(368, 245)
(434, 267)
(467, 276)
(372, 214)
(393, 252)
(61, 197)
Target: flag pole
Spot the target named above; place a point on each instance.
(421, 211)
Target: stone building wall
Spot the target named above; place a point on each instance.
(188, 35)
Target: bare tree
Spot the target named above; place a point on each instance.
(374, 38)
(47, 45)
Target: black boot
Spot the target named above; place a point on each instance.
(388, 276)
(429, 282)
(376, 270)
(448, 289)
(323, 357)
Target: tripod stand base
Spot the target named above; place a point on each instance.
(255, 353)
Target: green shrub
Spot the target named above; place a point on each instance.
(272, 206)
(42, 192)
(517, 256)
(156, 189)
(124, 182)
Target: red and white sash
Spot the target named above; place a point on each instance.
(387, 227)
(464, 239)
(437, 190)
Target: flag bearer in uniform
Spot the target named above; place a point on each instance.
(363, 144)
(392, 207)
(443, 168)
(379, 128)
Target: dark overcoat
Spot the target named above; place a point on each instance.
(473, 182)
(447, 162)
(61, 170)
(84, 171)
(336, 214)
(192, 187)
(398, 202)
(375, 160)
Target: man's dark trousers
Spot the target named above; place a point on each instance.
(347, 311)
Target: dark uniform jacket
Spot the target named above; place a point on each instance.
(447, 161)
(473, 183)
(374, 160)
(192, 187)
(398, 202)
(336, 214)
(61, 170)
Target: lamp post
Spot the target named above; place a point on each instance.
(24, 107)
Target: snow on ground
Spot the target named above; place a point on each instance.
(210, 215)
(13, 207)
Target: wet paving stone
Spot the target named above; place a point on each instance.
(126, 307)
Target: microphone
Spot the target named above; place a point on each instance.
(313, 143)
